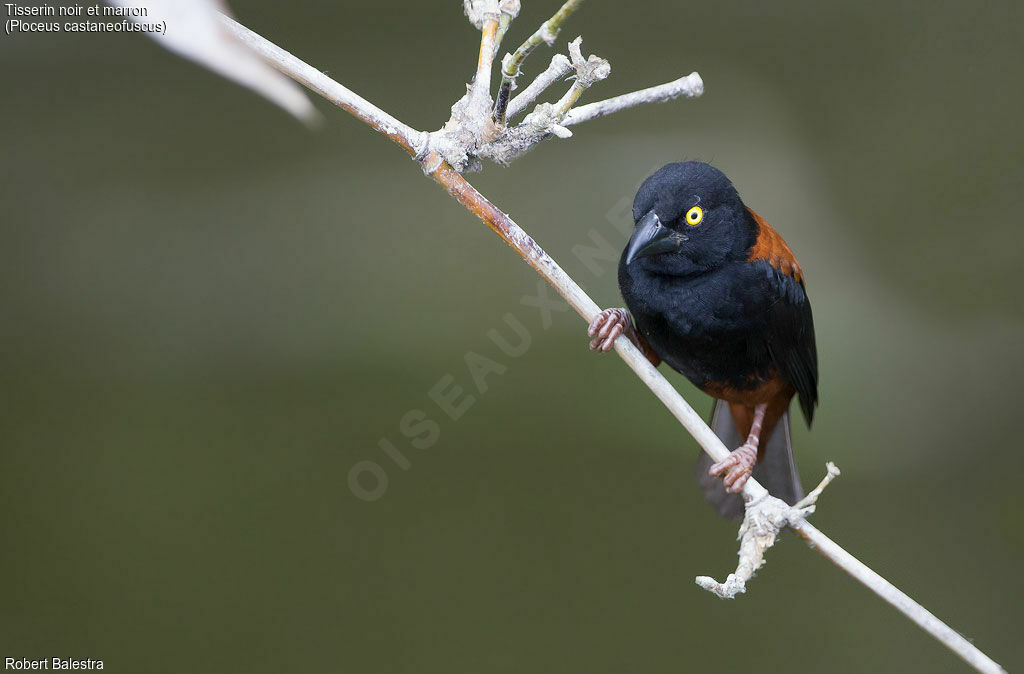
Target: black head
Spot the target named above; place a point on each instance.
(689, 219)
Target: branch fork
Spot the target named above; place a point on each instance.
(764, 519)
(478, 127)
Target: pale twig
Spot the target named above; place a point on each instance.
(807, 503)
(588, 71)
(509, 11)
(482, 80)
(492, 18)
(559, 68)
(507, 144)
(760, 504)
(511, 64)
(690, 86)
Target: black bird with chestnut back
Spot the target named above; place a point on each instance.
(717, 294)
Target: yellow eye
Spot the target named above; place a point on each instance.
(694, 216)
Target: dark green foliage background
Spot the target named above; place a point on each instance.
(210, 314)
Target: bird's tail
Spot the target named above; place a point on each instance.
(776, 470)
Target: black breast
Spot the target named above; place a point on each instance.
(709, 327)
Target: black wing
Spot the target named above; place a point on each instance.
(790, 335)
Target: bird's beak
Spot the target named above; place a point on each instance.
(651, 238)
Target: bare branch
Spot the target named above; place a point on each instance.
(509, 11)
(559, 68)
(480, 93)
(807, 503)
(512, 63)
(690, 86)
(588, 71)
(764, 518)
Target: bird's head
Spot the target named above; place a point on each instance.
(689, 218)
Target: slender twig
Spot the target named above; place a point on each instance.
(482, 80)
(690, 86)
(559, 68)
(509, 11)
(809, 501)
(436, 167)
(588, 71)
(512, 63)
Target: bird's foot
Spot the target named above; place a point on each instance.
(607, 326)
(736, 468)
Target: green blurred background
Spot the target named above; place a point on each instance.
(211, 314)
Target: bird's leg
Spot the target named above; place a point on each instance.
(611, 323)
(740, 462)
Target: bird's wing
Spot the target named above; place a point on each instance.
(790, 325)
(791, 342)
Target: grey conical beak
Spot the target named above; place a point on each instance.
(650, 238)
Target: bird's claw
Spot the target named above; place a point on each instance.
(606, 327)
(736, 467)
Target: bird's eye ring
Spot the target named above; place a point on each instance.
(694, 216)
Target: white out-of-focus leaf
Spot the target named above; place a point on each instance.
(192, 28)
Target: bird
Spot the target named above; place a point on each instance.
(715, 292)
